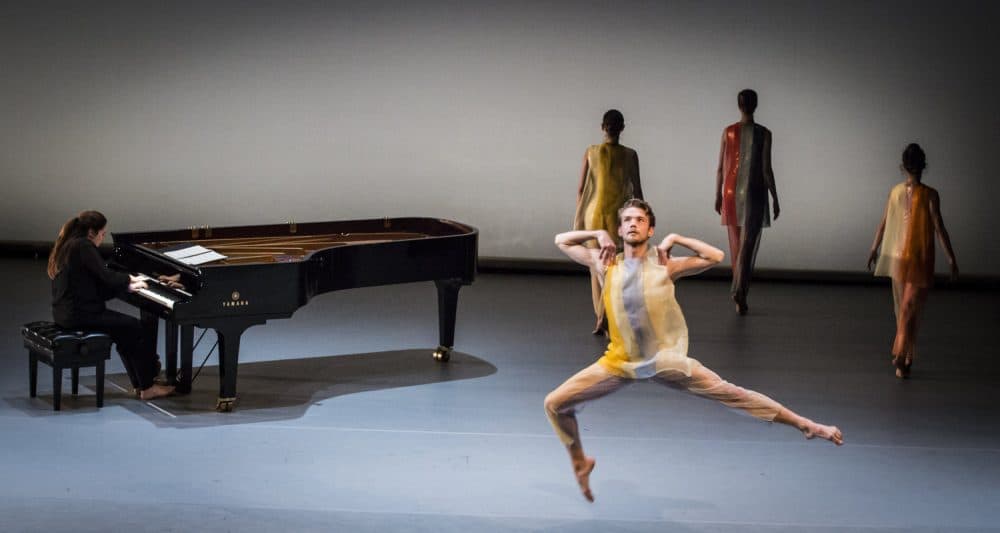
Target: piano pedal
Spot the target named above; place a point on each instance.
(225, 405)
(442, 354)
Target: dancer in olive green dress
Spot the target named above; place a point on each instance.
(610, 176)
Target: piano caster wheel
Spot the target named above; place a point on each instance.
(225, 405)
(442, 354)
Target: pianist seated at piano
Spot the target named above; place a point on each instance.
(82, 282)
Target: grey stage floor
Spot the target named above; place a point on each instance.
(346, 424)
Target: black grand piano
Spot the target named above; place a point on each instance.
(270, 271)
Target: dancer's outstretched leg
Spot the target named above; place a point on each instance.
(809, 428)
(704, 382)
(560, 406)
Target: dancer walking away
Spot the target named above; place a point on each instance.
(610, 176)
(905, 238)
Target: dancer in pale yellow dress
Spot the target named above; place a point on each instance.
(649, 338)
(906, 239)
(610, 176)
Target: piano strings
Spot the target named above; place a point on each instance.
(274, 249)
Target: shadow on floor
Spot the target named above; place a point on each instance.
(272, 390)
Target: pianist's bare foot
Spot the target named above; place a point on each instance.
(156, 391)
(582, 469)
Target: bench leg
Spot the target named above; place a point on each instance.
(32, 374)
(75, 371)
(100, 384)
(56, 387)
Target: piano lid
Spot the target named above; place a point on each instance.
(293, 242)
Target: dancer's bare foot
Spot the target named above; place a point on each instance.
(156, 391)
(902, 365)
(741, 305)
(582, 470)
(830, 433)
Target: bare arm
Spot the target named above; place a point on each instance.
(718, 176)
(769, 173)
(571, 244)
(942, 233)
(637, 185)
(583, 178)
(878, 237)
(706, 256)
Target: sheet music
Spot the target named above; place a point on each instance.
(194, 255)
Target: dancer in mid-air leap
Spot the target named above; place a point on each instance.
(649, 337)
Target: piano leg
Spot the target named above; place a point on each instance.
(447, 290)
(229, 355)
(187, 353)
(170, 346)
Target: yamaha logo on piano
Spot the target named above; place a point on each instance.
(235, 301)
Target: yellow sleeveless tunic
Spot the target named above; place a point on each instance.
(612, 177)
(907, 251)
(647, 329)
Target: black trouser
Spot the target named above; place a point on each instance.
(749, 242)
(136, 342)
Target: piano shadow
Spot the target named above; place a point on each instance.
(284, 389)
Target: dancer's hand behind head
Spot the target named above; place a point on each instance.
(608, 248)
(663, 249)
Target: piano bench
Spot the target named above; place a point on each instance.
(64, 348)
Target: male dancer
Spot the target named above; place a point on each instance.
(742, 183)
(648, 334)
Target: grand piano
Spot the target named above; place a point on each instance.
(269, 271)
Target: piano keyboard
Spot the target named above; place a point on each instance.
(160, 293)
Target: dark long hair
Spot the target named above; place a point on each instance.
(78, 227)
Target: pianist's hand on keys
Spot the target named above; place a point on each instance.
(136, 283)
(174, 282)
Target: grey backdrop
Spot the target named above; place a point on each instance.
(170, 114)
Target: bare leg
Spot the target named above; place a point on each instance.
(560, 406)
(706, 383)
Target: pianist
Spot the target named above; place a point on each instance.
(81, 283)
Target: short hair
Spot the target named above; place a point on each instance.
(613, 121)
(914, 159)
(747, 100)
(641, 204)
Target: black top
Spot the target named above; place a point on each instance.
(84, 284)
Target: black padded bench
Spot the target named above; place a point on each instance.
(64, 348)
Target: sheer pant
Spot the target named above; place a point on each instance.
(743, 244)
(595, 381)
(908, 300)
